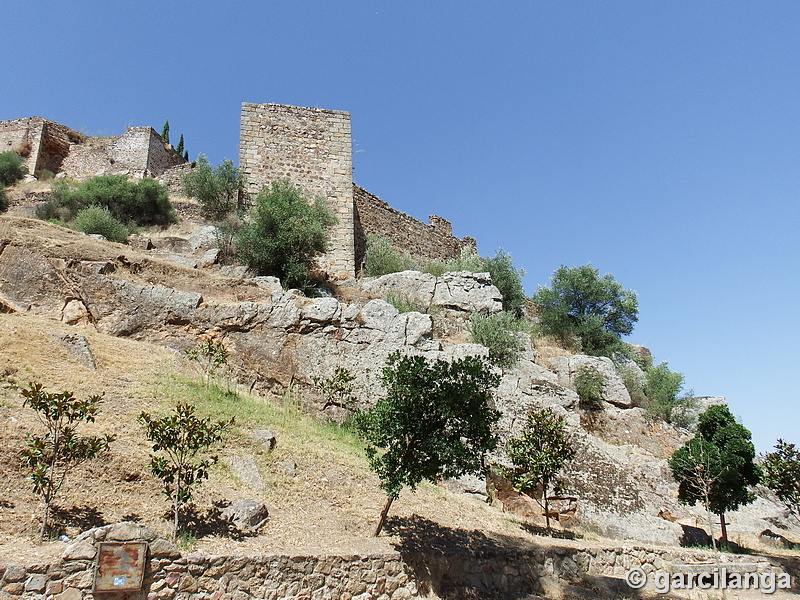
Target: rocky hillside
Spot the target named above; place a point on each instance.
(166, 293)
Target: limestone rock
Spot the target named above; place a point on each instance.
(203, 238)
(265, 438)
(139, 242)
(246, 470)
(614, 390)
(183, 261)
(78, 348)
(210, 257)
(247, 515)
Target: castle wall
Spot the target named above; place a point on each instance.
(312, 148)
(18, 136)
(433, 241)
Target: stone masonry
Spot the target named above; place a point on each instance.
(312, 148)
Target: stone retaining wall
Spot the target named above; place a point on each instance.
(498, 573)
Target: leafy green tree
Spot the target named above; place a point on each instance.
(216, 189)
(179, 148)
(52, 455)
(782, 475)
(283, 234)
(12, 168)
(507, 279)
(435, 422)
(716, 467)
(211, 356)
(579, 304)
(337, 390)
(538, 455)
(181, 443)
(165, 131)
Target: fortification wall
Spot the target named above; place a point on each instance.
(312, 148)
(16, 136)
(424, 242)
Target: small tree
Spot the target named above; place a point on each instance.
(283, 234)
(508, 280)
(579, 304)
(337, 389)
(665, 400)
(589, 386)
(12, 168)
(181, 443)
(211, 356)
(50, 456)
(502, 333)
(721, 451)
(216, 189)
(435, 422)
(165, 131)
(179, 148)
(782, 475)
(539, 454)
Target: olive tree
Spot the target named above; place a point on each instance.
(436, 421)
(782, 475)
(582, 306)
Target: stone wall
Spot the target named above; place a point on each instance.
(424, 242)
(491, 572)
(312, 148)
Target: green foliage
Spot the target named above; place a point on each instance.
(662, 388)
(502, 332)
(3, 200)
(633, 379)
(98, 219)
(12, 168)
(538, 455)
(589, 386)
(403, 304)
(179, 148)
(283, 234)
(165, 131)
(782, 475)
(436, 421)
(381, 258)
(716, 467)
(508, 280)
(143, 203)
(337, 389)
(181, 443)
(579, 304)
(216, 189)
(51, 456)
(45, 175)
(211, 356)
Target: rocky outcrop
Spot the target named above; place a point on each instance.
(568, 367)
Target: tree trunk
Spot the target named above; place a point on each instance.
(723, 527)
(45, 516)
(382, 519)
(546, 509)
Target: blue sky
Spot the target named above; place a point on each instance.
(658, 141)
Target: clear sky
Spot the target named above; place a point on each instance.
(659, 141)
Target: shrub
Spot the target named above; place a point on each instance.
(664, 400)
(143, 203)
(403, 304)
(508, 280)
(579, 304)
(12, 168)
(283, 234)
(501, 333)
(589, 385)
(98, 219)
(211, 356)
(3, 200)
(633, 378)
(468, 260)
(381, 258)
(217, 190)
(45, 175)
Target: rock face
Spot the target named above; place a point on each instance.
(278, 339)
(247, 515)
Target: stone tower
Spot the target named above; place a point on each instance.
(312, 148)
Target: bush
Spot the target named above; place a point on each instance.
(579, 304)
(45, 175)
(217, 190)
(589, 385)
(11, 168)
(508, 280)
(98, 219)
(633, 378)
(502, 333)
(381, 258)
(663, 388)
(283, 234)
(143, 203)
(3, 200)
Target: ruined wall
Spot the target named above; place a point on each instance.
(424, 242)
(17, 136)
(312, 148)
